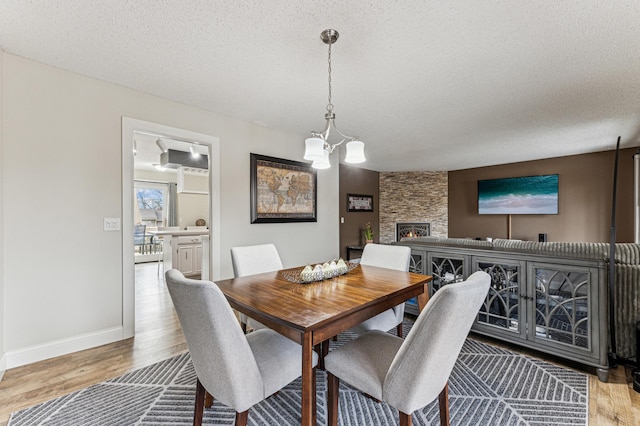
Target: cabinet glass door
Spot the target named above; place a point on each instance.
(562, 300)
(502, 308)
(417, 264)
(445, 269)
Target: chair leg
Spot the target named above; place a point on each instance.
(443, 399)
(208, 400)
(323, 350)
(333, 390)
(241, 418)
(399, 330)
(160, 260)
(199, 408)
(405, 419)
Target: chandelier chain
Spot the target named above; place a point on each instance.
(330, 105)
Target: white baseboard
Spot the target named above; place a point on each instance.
(62, 347)
(3, 365)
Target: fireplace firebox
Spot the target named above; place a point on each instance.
(412, 230)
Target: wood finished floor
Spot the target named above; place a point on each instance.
(158, 337)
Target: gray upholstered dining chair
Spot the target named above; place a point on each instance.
(239, 370)
(250, 260)
(391, 257)
(408, 374)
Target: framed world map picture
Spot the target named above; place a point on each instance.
(282, 190)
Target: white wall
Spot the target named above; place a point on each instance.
(62, 165)
(3, 360)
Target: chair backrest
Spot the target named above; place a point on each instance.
(219, 350)
(424, 362)
(386, 256)
(250, 260)
(138, 234)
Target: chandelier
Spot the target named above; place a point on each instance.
(317, 147)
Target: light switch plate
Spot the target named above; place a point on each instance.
(111, 223)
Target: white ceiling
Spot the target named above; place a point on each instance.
(427, 85)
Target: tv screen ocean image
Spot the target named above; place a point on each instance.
(520, 195)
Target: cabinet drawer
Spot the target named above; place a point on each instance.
(194, 239)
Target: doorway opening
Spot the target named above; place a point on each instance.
(140, 139)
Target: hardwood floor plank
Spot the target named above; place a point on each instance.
(159, 337)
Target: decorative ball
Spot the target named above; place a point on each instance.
(201, 222)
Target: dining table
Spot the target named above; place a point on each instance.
(312, 313)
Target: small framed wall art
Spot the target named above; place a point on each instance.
(359, 203)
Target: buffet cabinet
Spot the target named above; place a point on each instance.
(551, 303)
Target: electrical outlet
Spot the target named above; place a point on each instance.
(111, 223)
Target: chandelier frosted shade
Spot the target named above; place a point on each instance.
(314, 149)
(322, 163)
(355, 152)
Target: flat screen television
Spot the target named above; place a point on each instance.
(519, 195)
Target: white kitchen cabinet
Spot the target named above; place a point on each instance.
(188, 252)
(182, 250)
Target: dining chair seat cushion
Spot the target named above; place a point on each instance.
(279, 359)
(383, 321)
(364, 364)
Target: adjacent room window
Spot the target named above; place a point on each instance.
(151, 202)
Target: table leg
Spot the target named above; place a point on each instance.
(423, 298)
(308, 382)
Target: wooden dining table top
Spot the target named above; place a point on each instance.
(293, 308)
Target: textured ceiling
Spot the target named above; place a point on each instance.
(427, 85)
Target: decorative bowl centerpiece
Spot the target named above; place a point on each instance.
(319, 272)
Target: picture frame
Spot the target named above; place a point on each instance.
(359, 203)
(282, 190)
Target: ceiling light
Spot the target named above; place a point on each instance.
(317, 147)
(161, 145)
(194, 153)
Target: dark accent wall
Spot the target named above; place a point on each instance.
(585, 184)
(354, 180)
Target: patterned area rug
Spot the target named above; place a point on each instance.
(488, 386)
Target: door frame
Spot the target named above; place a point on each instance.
(129, 127)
